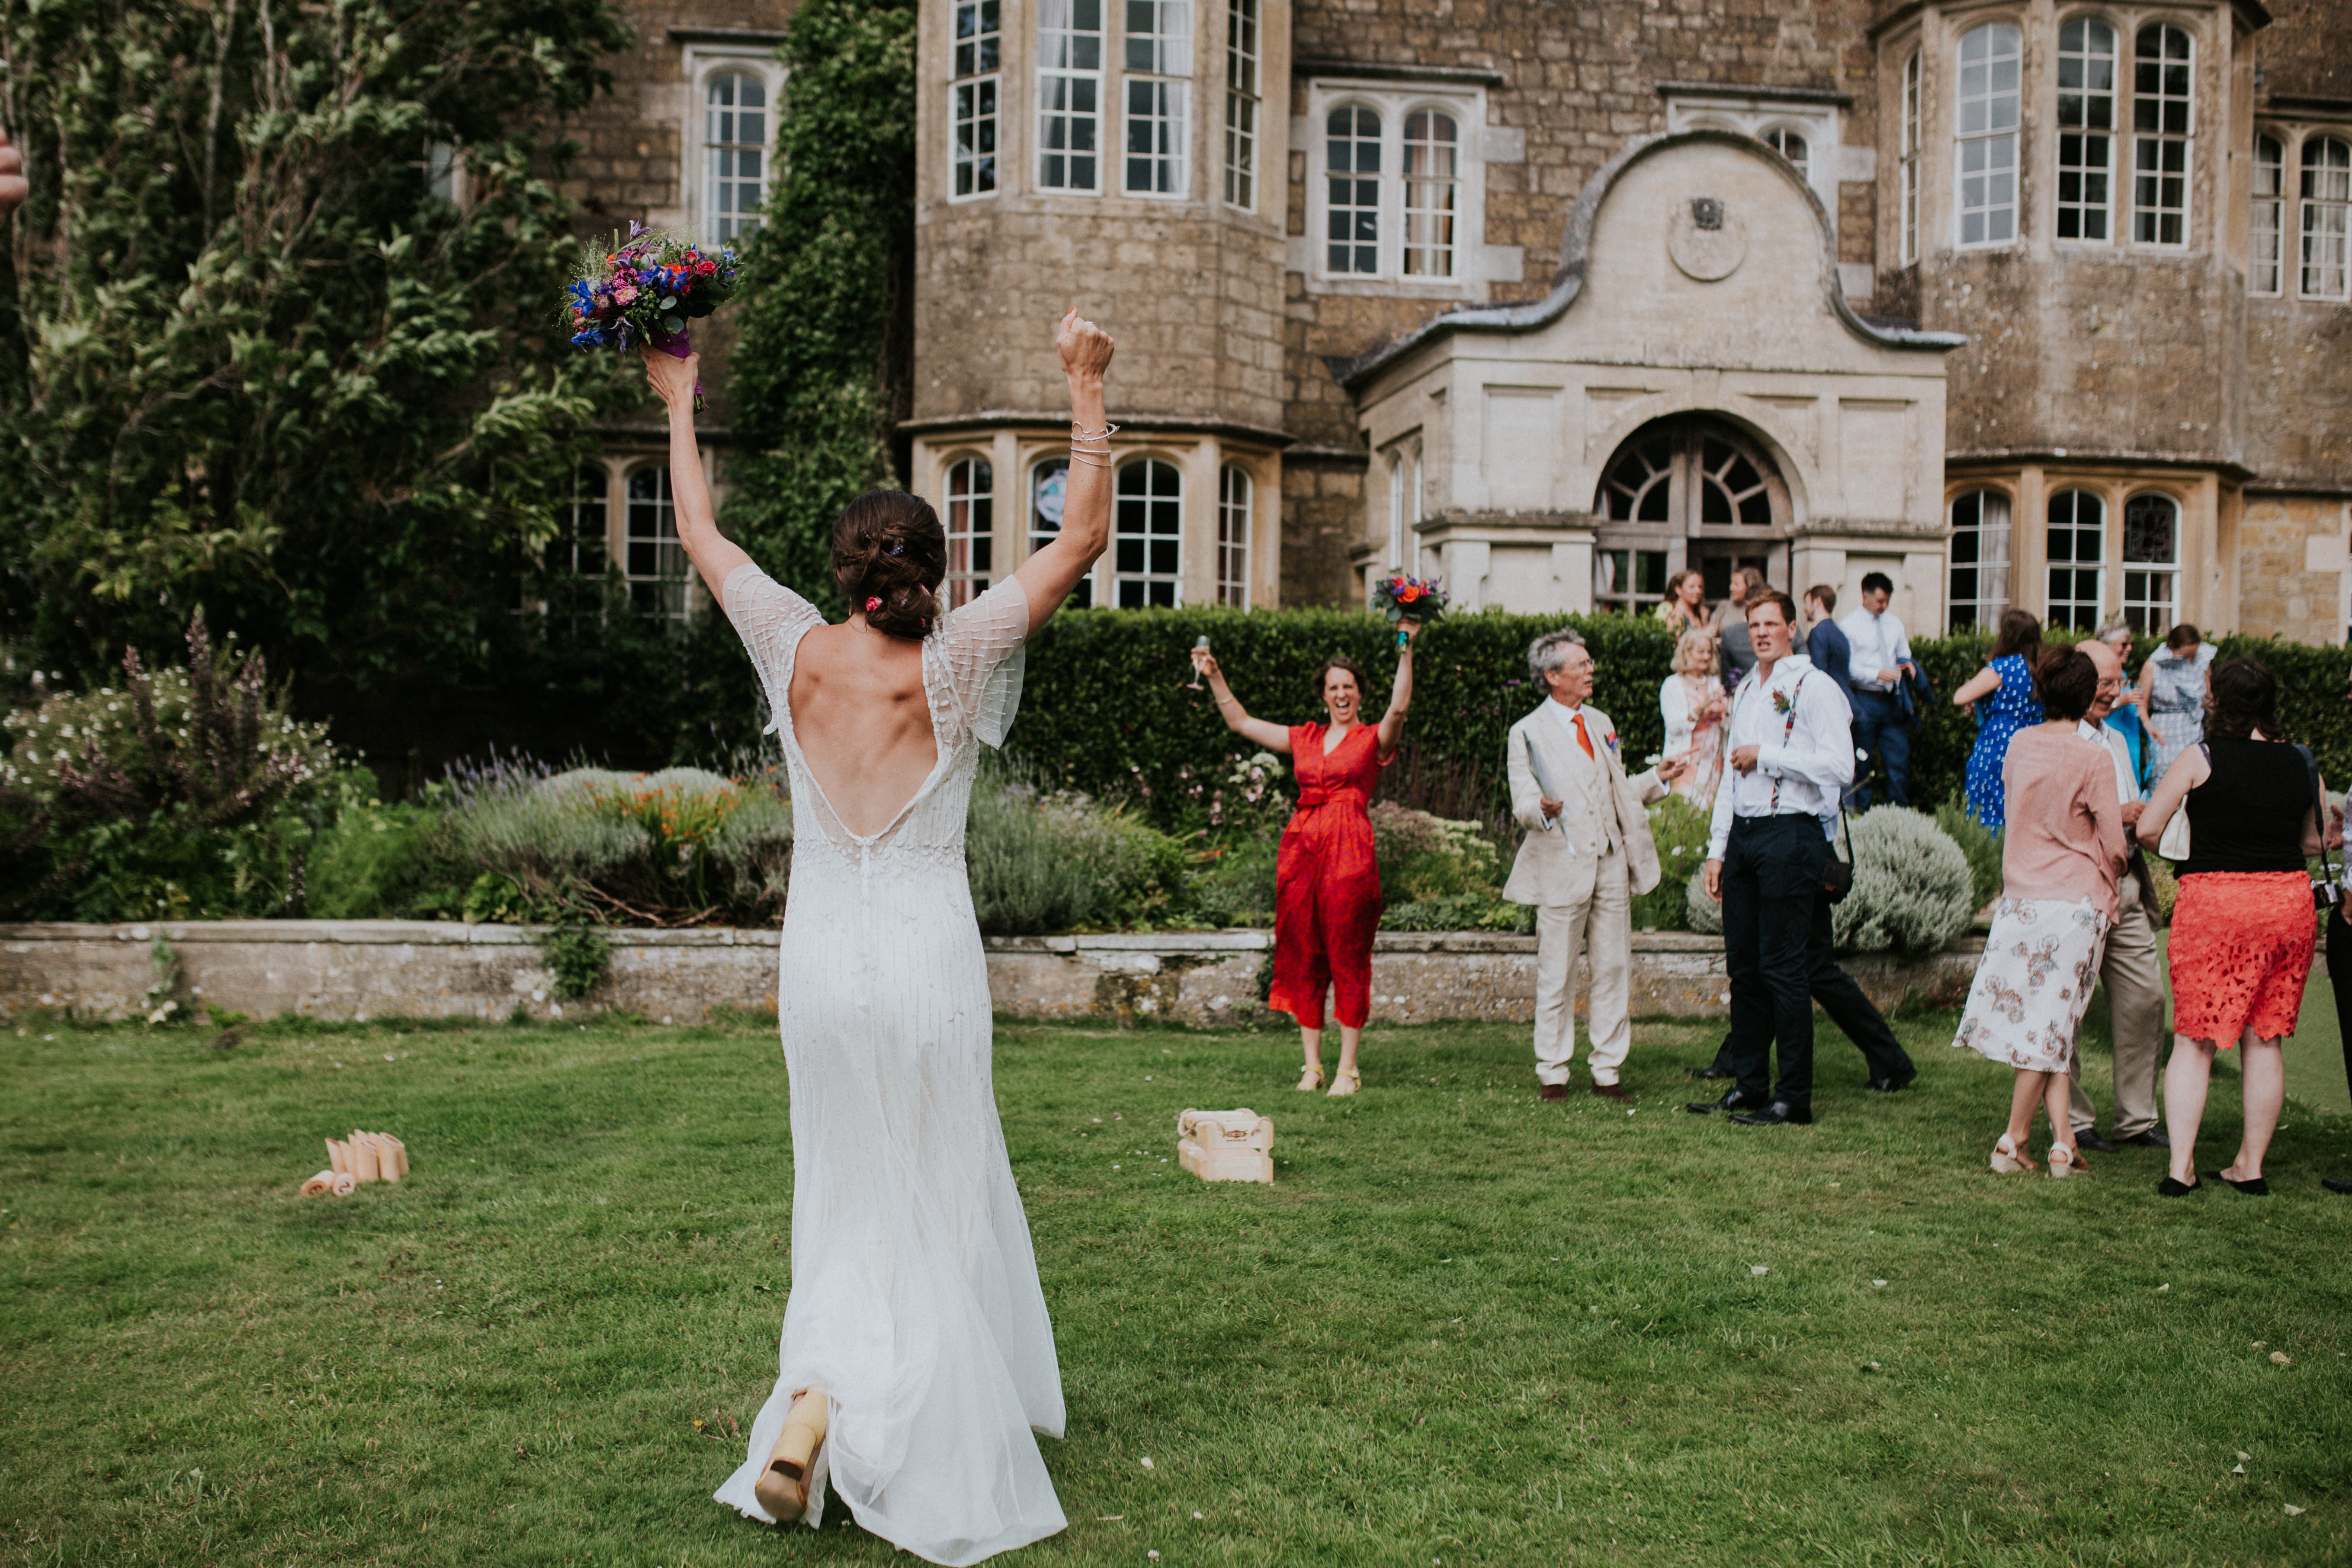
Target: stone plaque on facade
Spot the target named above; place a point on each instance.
(1706, 241)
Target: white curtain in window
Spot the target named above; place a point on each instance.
(2267, 219)
(1433, 192)
(1070, 94)
(1241, 103)
(2326, 206)
(2161, 125)
(1991, 58)
(1232, 537)
(1159, 94)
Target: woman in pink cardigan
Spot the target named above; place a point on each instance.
(2061, 855)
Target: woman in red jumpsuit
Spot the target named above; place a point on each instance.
(1327, 899)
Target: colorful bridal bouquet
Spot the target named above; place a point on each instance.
(1402, 597)
(645, 290)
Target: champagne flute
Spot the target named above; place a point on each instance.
(1199, 646)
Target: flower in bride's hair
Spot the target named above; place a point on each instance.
(873, 604)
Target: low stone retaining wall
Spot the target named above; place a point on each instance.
(364, 969)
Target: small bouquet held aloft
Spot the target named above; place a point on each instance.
(1401, 597)
(643, 292)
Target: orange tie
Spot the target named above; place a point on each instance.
(1581, 738)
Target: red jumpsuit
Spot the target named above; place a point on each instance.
(1327, 882)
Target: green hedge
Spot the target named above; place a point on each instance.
(1109, 710)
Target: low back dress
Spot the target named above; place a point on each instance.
(914, 1299)
(2000, 713)
(1326, 881)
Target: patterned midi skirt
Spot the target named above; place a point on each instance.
(2039, 966)
(2242, 946)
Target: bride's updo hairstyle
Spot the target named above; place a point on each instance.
(889, 554)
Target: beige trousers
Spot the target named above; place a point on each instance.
(1591, 942)
(2134, 976)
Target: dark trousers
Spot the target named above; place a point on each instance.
(2339, 980)
(1881, 729)
(1854, 1012)
(1771, 877)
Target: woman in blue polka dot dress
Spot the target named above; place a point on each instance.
(2001, 694)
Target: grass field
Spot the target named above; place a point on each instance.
(1464, 1327)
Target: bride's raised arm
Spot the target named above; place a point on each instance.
(1049, 574)
(713, 554)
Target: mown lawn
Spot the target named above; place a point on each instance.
(1464, 1327)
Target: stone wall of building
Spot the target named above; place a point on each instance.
(2293, 547)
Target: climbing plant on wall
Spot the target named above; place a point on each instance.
(820, 375)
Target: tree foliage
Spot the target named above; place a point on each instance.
(249, 357)
(820, 373)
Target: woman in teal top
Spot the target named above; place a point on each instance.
(2124, 720)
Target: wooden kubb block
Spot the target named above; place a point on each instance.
(1225, 1145)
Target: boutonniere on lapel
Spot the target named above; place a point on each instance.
(1611, 741)
(1782, 703)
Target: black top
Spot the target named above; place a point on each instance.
(2249, 815)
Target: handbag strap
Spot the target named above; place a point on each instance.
(2319, 807)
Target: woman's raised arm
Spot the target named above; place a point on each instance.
(1392, 727)
(1050, 575)
(713, 554)
(1273, 737)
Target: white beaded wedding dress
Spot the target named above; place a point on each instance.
(914, 1300)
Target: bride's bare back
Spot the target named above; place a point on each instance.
(863, 721)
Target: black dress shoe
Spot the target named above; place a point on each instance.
(2151, 1138)
(1892, 1082)
(2335, 1184)
(1709, 1074)
(2256, 1188)
(2169, 1188)
(1552, 1091)
(1779, 1113)
(2089, 1139)
(1732, 1100)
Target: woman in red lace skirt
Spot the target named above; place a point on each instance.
(2243, 926)
(1327, 884)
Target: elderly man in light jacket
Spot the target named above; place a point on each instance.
(1586, 855)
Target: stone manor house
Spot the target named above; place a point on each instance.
(2023, 302)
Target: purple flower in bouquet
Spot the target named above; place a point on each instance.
(645, 291)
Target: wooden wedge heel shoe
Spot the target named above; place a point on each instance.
(782, 1488)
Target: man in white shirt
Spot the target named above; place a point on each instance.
(1792, 755)
(1586, 857)
(1882, 662)
(2131, 967)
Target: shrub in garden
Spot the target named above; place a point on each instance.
(1679, 830)
(1980, 844)
(1051, 860)
(1912, 885)
(677, 847)
(186, 792)
(1439, 874)
(1912, 888)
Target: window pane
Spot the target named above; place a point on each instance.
(1431, 193)
(2266, 218)
(1155, 136)
(1146, 536)
(1908, 196)
(1352, 149)
(1986, 156)
(1232, 537)
(970, 521)
(1069, 89)
(2326, 223)
(736, 137)
(1049, 487)
(2086, 112)
(2151, 540)
(1241, 103)
(654, 565)
(2076, 549)
(2161, 120)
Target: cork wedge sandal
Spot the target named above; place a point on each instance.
(782, 1488)
(2008, 1159)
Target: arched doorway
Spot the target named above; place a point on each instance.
(1687, 491)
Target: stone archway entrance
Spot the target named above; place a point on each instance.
(1693, 491)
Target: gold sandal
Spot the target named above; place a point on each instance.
(782, 1488)
(1310, 1079)
(1345, 1084)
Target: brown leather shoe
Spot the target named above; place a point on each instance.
(1610, 1091)
(1551, 1091)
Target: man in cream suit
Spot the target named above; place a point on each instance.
(1586, 854)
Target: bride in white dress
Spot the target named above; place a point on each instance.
(917, 1358)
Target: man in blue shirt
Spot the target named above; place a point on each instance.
(1826, 644)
